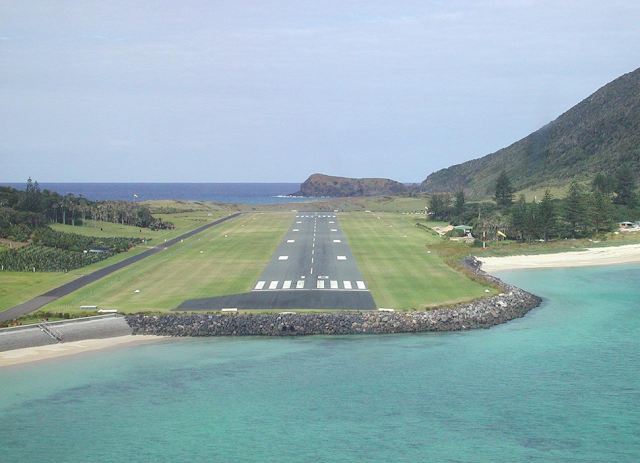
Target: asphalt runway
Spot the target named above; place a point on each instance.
(313, 268)
(40, 301)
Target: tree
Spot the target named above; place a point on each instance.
(605, 182)
(519, 217)
(575, 206)
(32, 198)
(458, 205)
(504, 190)
(440, 205)
(600, 210)
(547, 217)
(625, 187)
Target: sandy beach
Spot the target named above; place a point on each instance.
(595, 256)
(33, 354)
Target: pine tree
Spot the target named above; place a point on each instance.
(458, 205)
(625, 187)
(605, 182)
(600, 210)
(547, 217)
(575, 206)
(504, 190)
(519, 217)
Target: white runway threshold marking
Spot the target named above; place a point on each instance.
(291, 241)
(333, 284)
(347, 284)
(342, 257)
(273, 285)
(334, 230)
(296, 229)
(287, 284)
(320, 284)
(337, 241)
(283, 257)
(361, 285)
(300, 284)
(260, 284)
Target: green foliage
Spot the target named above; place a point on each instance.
(604, 182)
(595, 136)
(625, 187)
(547, 217)
(459, 202)
(45, 236)
(503, 190)
(45, 259)
(600, 210)
(440, 206)
(575, 207)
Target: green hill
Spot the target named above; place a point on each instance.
(597, 135)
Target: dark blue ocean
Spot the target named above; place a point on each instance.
(246, 193)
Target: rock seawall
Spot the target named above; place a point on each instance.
(511, 303)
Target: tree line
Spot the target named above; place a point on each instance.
(584, 211)
(23, 211)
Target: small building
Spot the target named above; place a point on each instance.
(100, 249)
(626, 224)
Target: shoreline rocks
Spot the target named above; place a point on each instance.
(511, 303)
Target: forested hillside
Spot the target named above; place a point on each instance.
(600, 134)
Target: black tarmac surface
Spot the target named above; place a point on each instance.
(40, 301)
(313, 268)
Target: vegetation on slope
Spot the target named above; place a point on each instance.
(598, 135)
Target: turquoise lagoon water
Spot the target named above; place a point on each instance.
(560, 385)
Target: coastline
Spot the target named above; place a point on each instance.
(46, 352)
(611, 255)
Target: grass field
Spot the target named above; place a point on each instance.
(392, 255)
(184, 222)
(19, 287)
(225, 266)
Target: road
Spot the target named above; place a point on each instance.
(40, 301)
(312, 268)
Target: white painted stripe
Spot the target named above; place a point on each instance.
(334, 284)
(313, 251)
(298, 222)
(334, 230)
(273, 284)
(291, 241)
(260, 284)
(300, 284)
(283, 257)
(361, 285)
(347, 284)
(337, 241)
(342, 257)
(320, 284)
(331, 222)
(311, 272)
(296, 229)
(287, 284)
(312, 260)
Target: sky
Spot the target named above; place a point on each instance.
(273, 91)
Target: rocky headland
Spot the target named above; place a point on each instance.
(319, 185)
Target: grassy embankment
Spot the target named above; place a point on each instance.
(18, 287)
(205, 265)
(392, 255)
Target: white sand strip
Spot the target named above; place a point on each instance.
(626, 254)
(32, 354)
